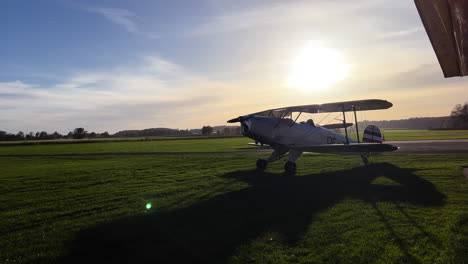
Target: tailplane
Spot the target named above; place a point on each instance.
(372, 134)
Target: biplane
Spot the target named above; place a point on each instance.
(278, 129)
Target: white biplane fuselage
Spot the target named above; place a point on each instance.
(278, 131)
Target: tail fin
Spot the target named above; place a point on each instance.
(372, 134)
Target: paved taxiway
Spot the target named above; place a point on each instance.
(421, 146)
(431, 146)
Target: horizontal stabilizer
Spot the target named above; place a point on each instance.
(335, 126)
(350, 148)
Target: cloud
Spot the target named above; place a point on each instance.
(400, 33)
(15, 95)
(421, 77)
(281, 14)
(123, 18)
(160, 66)
(119, 16)
(155, 93)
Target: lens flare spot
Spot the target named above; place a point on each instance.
(148, 206)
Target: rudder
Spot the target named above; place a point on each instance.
(372, 134)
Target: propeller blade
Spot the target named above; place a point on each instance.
(234, 120)
(239, 119)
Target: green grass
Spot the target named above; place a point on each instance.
(395, 135)
(186, 145)
(218, 209)
(109, 139)
(179, 144)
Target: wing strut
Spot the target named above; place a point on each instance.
(286, 114)
(344, 124)
(298, 116)
(355, 122)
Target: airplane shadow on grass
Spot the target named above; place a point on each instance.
(209, 231)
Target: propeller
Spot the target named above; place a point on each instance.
(238, 119)
(234, 120)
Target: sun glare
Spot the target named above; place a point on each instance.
(317, 67)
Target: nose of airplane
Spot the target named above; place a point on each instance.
(235, 120)
(245, 124)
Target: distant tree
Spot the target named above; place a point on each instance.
(3, 135)
(105, 134)
(43, 135)
(56, 135)
(92, 135)
(207, 130)
(79, 133)
(20, 135)
(70, 135)
(459, 117)
(30, 136)
(37, 135)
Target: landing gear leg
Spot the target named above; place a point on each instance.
(290, 167)
(365, 160)
(277, 153)
(261, 164)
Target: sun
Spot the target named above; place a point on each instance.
(317, 67)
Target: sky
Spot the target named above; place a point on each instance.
(115, 65)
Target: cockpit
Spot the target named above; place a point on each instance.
(309, 122)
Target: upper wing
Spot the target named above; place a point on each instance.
(351, 148)
(446, 22)
(358, 105)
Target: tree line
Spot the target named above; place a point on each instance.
(458, 119)
(77, 133)
(156, 132)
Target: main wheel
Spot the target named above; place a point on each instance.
(261, 164)
(290, 168)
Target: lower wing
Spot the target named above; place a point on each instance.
(354, 148)
(258, 145)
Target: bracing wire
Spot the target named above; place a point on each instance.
(324, 118)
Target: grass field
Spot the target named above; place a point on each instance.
(132, 145)
(109, 139)
(189, 145)
(396, 135)
(218, 209)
